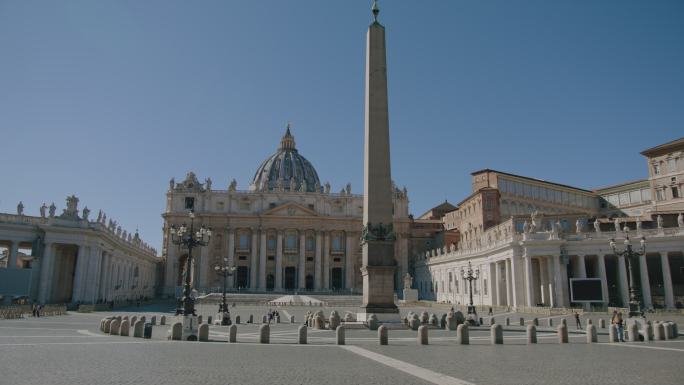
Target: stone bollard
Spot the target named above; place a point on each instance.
(675, 330)
(209, 319)
(277, 319)
(522, 321)
(264, 319)
(334, 320)
(612, 333)
(203, 333)
(648, 331)
(496, 334)
(302, 334)
(125, 318)
(602, 323)
(138, 329)
(562, 334)
(102, 322)
(424, 318)
(292, 319)
(176, 330)
(162, 320)
(434, 321)
(443, 322)
(134, 319)
(153, 320)
(373, 323)
(199, 319)
(564, 322)
(535, 321)
(123, 330)
(237, 319)
(114, 328)
(423, 335)
(232, 333)
(633, 332)
(251, 319)
(550, 322)
(589, 321)
(339, 334)
(108, 326)
(143, 319)
(492, 321)
(451, 322)
(462, 335)
(264, 334)
(667, 328)
(592, 336)
(531, 334)
(382, 335)
(481, 321)
(319, 322)
(658, 331)
(508, 321)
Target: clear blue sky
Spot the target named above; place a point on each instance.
(110, 99)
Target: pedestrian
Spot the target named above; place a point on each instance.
(618, 322)
(490, 311)
(39, 309)
(34, 309)
(577, 320)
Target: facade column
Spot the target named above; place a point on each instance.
(93, 287)
(231, 256)
(493, 285)
(14, 250)
(79, 273)
(550, 273)
(543, 281)
(279, 262)
(645, 282)
(581, 267)
(667, 280)
(262, 261)
(509, 290)
(326, 261)
(317, 262)
(348, 261)
(558, 279)
(45, 292)
(253, 267)
(529, 281)
(601, 261)
(203, 268)
(301, 270)
(497, 279)
(624, 287)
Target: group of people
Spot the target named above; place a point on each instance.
(36, 309)
(272, 314)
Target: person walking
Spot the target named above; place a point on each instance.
(490, 311)
(577, 320)
(619, 323)
(34, 309)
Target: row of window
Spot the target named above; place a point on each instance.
(507, 186)
(671, 163)
(291, 242)
(629, 198)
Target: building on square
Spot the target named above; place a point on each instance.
(529, 237)
(287, 232)
(72, 258)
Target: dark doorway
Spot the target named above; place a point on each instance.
(309, 282)
(270, 282)
(337, 278)
(242, 277)
(290, 278)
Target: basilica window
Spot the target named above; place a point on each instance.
(660, 195)
(271, 243)
(243, 242)
(671, 166)
(675, 192)
(291, 241)
(189, 203)
(337, 242)
(656, 169)
(310, 244)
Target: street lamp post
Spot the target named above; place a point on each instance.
(225, 271)
(471, 275)
(189, 238)
(628, 253)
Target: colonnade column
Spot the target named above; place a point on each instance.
(543, 282)
(45, 269)
(645, 282)
(601, 260)
(550, 272)
(231, 256)
(94, 274)
(529, 281)
(509, 290)
(497, 279)
(326, 260)
(254, 268)
(301, 270)
(317, 262)
(624, 287)
(279, 262)
(558, 279)
(348, 261)
(14, 250)
(493, 285)
(79, 273)
(667, 280)
(262, 261)
(582, 273)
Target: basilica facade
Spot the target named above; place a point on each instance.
(286, 232)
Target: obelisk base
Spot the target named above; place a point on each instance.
(378, 294)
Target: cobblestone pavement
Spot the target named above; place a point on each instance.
(71, 350)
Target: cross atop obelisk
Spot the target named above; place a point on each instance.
(378, 236)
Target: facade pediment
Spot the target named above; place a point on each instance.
(290, 209)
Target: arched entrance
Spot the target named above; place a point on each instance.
(242, 277)
(309, 282)
(270, 282)
(337, 282)
(290, 277)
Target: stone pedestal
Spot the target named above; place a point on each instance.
(190, 328)
(410, 295)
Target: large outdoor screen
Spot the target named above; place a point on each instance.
(586, 290)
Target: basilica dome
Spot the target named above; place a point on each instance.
(286, 170)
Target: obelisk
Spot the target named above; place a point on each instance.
(378, 236)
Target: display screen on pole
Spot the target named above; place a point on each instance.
(586, 290)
